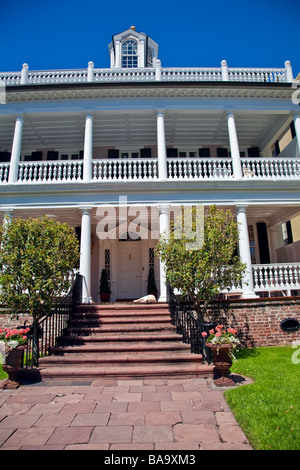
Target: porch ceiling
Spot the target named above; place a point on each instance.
(149, 216)
(138, 128)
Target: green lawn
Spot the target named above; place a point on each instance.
(3, 375)
(268, 410)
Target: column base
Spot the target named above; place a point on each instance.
(249, 295)
(87, 300)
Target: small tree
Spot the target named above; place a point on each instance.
(36, 258)
(200, 274)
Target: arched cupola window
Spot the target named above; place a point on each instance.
(129, 54)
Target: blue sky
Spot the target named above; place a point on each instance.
(66, 34)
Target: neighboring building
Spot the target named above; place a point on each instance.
(129, 143)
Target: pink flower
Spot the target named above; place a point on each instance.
(204, 334)
(211, 332)
(218, 334)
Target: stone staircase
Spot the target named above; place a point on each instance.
(122, 340)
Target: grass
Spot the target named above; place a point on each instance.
(3, 375)
(268, 410)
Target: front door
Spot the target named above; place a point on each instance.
(130, 283)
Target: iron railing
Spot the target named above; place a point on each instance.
(50, 327)
(190, 327)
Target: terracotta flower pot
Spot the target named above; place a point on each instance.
(222, 363)
(12, 366)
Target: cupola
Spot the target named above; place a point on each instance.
(131, 49)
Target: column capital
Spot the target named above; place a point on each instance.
(20, 118)
(241, 207)
(160, 112)
(229, 114)
(85, 209)
(164, 209)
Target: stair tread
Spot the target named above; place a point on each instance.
(125, 340)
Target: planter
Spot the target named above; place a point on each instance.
(12, 366)
(222, 363)
(105, 297)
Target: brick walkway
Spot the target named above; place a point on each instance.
(152, 414)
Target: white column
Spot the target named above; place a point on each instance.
(161, 146)
(224, 71)
(163, 229)
(297, 129)
(234, 147)
(16, 151)
(245, 255)
(85, 254)
(90, 72)
(88, 148)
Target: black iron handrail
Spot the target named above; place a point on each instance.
(190, 327)
(50, 327)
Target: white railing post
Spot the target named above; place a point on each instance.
(288, 71)
(24, 74)
(90, 72)
(158, 70)
(224, 70)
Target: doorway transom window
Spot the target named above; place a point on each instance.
(129, 54)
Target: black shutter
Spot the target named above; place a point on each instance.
(222, 153)
(263, 243)
(204, 153)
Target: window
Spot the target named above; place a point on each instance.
(149, 57)
(129, 54)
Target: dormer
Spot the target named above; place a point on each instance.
(131, 49)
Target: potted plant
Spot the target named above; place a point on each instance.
(12, 346)
(222, 341)
(104, 287)
(151, 286)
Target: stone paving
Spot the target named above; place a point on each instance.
(140, 414)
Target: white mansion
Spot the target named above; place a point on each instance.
(112, 151)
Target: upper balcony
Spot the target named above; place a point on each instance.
(134, 170)
(148, 74)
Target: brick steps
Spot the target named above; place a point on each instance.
(122, 340)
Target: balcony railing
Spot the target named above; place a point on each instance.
(199, 168)
(170, 74)
(281, 277)
(133, 169)
(258, 168)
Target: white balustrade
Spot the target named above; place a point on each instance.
(281, 276)
(272, 168)
(4, 171)
(50, 172)
(198, 168)
(124, 75)
(257, 75)
(125, 169)
(191, 74)
(169, 74)
(56, 76)
(147, 169)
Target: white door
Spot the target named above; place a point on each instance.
(130, 285)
